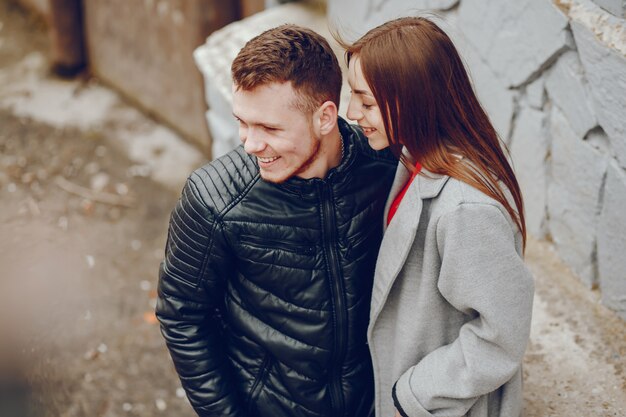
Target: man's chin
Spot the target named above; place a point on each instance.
(274, 179)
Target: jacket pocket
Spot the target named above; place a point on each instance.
(258, 384)
(263, 243)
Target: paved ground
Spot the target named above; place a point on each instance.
(576, 359)
(82, 229)
(86, 186)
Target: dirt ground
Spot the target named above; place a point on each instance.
(78, 280)
(77, 288)
(575, 362)
(82, 231)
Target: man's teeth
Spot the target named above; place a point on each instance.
(267, 160)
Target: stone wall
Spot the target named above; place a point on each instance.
(552, 76)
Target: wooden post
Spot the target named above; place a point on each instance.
(67, 37)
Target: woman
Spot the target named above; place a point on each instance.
(452, 299)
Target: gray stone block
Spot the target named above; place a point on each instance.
(615, 7)
(578, 171)
(605, 68)
(349, 17)
(223, 126)
(612, 241)
(516, 38)
(529, 152)
(598, 138)
(356, 17)
(354, 20)
(535, 93)
(495, 97)
(567, 86)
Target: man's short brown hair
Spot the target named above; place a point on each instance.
(290, 53)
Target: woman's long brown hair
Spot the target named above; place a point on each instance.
(428, 105)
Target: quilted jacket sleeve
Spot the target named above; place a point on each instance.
(191, 287)
(483, 275)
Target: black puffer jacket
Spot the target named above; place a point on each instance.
(264, 293)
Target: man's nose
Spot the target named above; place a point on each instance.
(252, 143)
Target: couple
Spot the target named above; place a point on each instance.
(274, 298)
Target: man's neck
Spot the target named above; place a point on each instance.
(329, 155)
(337, 149)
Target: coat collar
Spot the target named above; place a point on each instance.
(400, 234)
(426, 185)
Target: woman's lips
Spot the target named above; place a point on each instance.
(368, 130)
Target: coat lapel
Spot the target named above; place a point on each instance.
(402, 176)
(400, 234)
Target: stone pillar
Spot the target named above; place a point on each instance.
(144, 49)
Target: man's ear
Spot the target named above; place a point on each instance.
(325, 117)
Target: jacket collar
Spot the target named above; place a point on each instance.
(304, 187)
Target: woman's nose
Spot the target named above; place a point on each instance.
(353, 112)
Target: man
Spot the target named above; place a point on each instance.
(264, 292)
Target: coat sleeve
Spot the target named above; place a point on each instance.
(191, 287)
(482, 275)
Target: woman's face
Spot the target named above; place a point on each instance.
(363, 108)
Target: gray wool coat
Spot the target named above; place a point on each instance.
(451, 304)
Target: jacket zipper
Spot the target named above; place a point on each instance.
(339, 316)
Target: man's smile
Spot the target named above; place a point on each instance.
(267, 160)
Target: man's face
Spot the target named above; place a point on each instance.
(280, 135)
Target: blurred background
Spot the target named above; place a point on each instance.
(107, 106)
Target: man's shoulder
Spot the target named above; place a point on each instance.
(221, 182)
